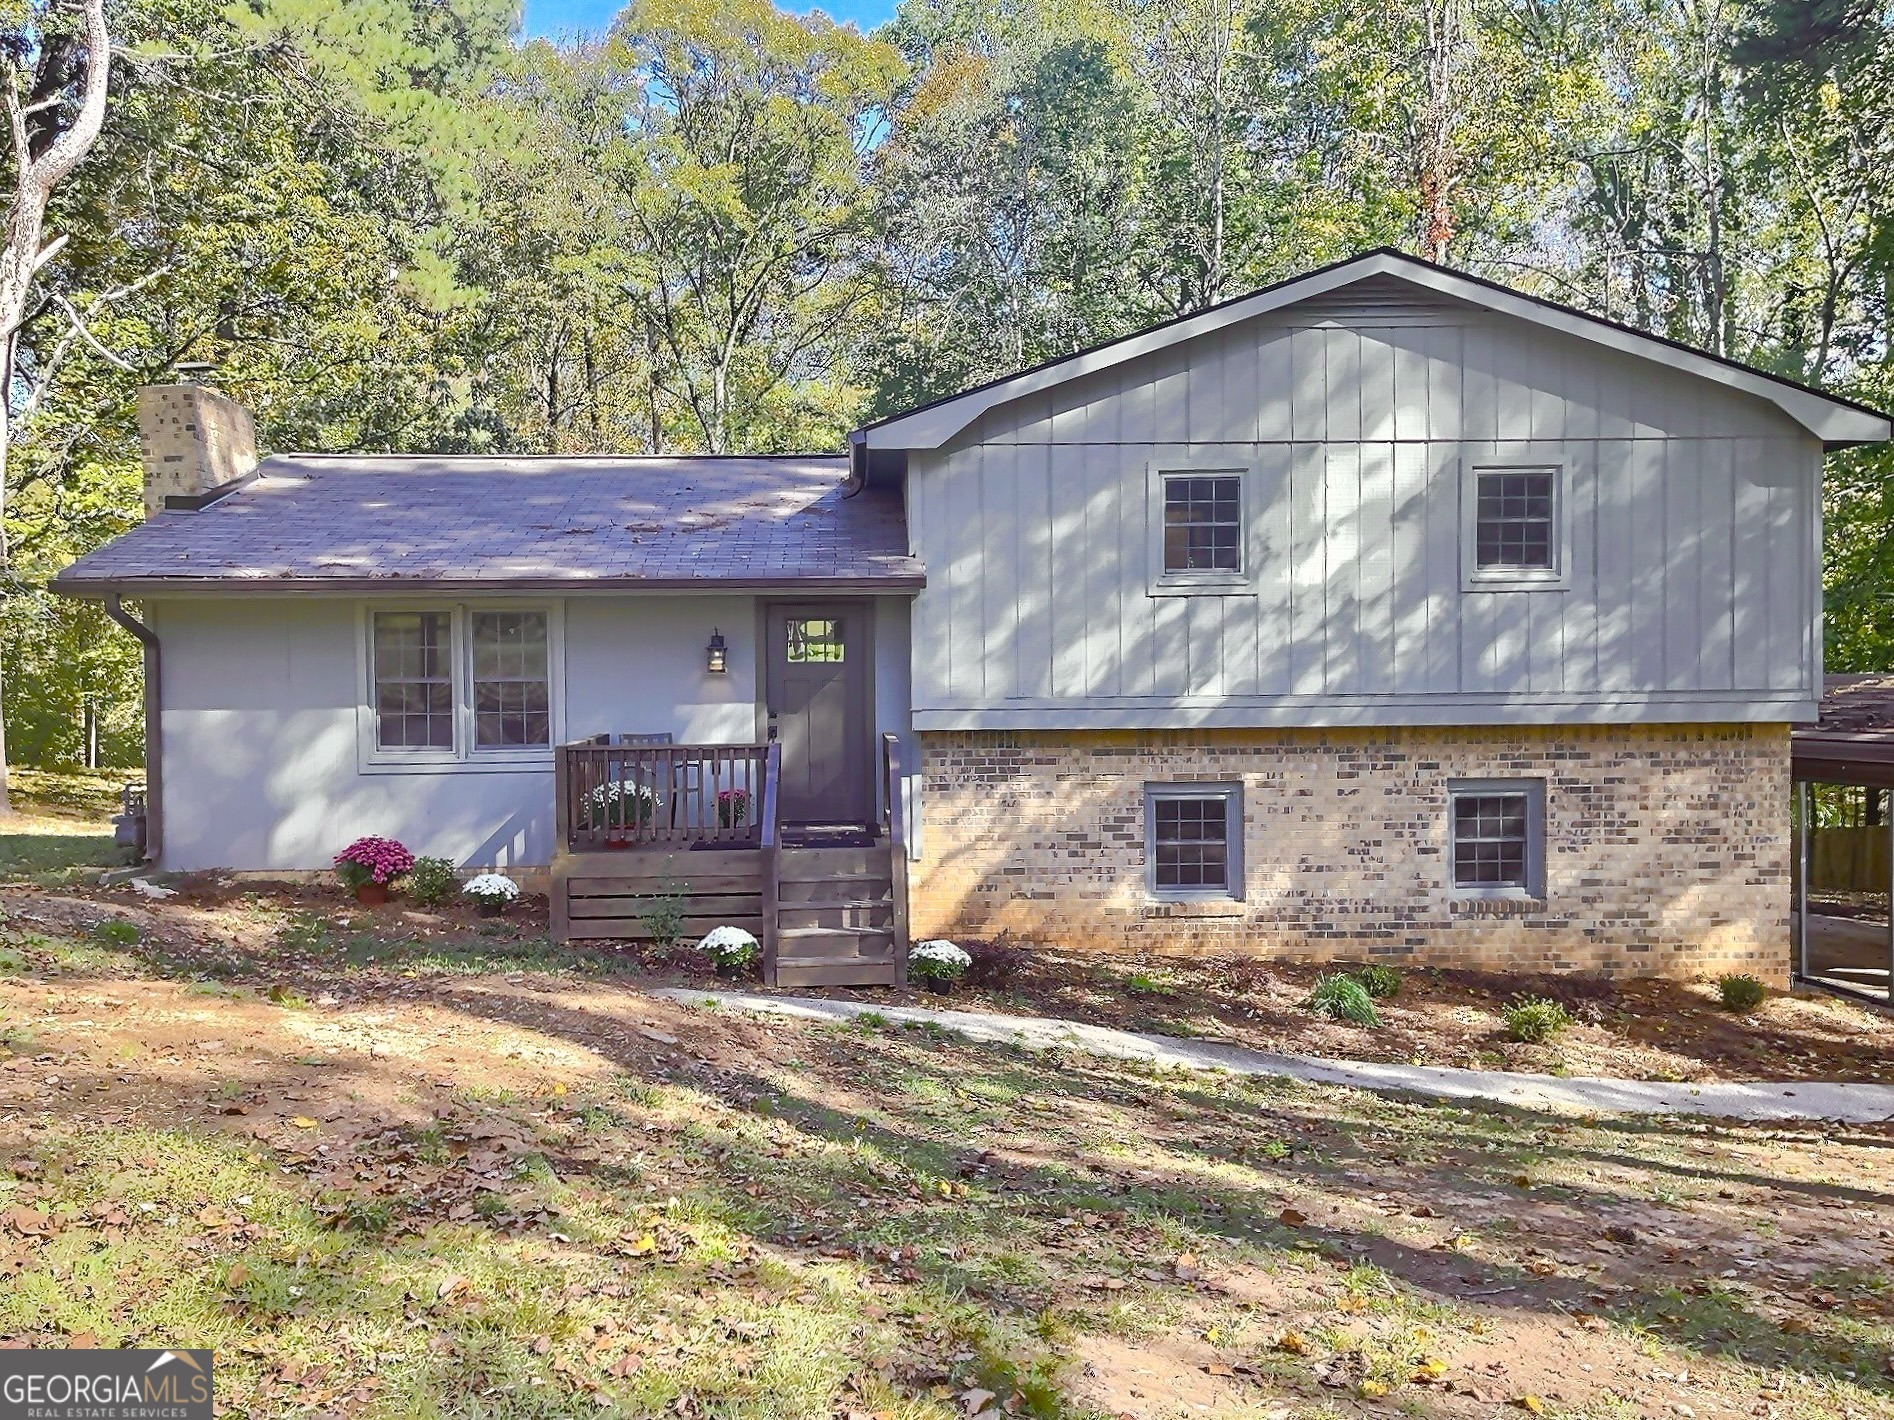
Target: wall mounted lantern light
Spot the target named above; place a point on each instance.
(716, 659)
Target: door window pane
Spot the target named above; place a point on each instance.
(414, 693)
(814, 641)
(512, 696)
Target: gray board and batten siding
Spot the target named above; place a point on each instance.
(1690, 519)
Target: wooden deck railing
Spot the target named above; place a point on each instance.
(641, 795)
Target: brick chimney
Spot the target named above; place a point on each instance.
(196, 439)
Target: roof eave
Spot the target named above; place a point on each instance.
(422, 586)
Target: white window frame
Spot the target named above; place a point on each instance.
(1212, 582)
(1475, 578)
(1231, 793)
(465, 755)
(1533, 791)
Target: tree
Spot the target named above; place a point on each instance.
(744, 176)
(55, 81)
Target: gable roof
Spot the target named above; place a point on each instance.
(338, 523)
(1837, 422)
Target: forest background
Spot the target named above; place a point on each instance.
(398, 225)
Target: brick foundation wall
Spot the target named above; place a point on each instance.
(1667, 847)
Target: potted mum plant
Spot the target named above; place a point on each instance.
(732, 951)
(619, 808)
(938, 964)
(491, 892)
(369, 865)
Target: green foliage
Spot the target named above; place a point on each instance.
(663, 917)
(1535, 1020)
(118, 932)
(1741, 994)
(1381, 982)
(1341, 997)
(728, 227)
(432, 881)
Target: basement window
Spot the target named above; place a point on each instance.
(1497, 832)
(1194, 840)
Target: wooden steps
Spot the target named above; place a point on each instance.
(836, 923)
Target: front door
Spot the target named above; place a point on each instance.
(818, 709)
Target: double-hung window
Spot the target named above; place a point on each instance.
(1198, 526)
(1496, 829)
(1514, 534)
(448, 684)
(1194, 840)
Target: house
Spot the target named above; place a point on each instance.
(1384, 612)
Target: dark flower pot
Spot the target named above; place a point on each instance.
(938, 985)
(371, 894)
(732, 970)
(492, 909)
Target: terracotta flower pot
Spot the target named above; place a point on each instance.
(371, 894)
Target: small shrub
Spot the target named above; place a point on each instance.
(664, 917)
(996, 965)
(1342, 998)
(1534, 1020)
(431, 881)
(1380, 982)
(118, 932)
(1741, 994)
(1140, 984)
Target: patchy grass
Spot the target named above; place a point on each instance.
(74, 793)
(388, 1182)
(60, 831)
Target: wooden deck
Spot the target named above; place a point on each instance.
(652, 848)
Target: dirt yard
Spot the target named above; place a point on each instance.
(403, 1164)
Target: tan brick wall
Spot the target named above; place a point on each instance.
(1667, 847)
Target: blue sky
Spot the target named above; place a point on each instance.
(553, 18)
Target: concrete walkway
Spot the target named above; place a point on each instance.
(1851, 1104)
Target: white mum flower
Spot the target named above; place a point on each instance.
(731, 944)
(493, 887)
(942, 951)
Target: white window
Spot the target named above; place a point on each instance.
(414, 683)
(1199, 532)
(1513, 532)
(456, 684)
(512, 683)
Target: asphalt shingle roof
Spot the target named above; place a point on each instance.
(527, 521)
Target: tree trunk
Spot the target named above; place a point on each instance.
(43, 158)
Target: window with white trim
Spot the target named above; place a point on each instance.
(1513, 532)
(458, 683)
(1203, 522)
(1194, 840)
(1496, 829)
(1198, 531)
(414, 683)
(512, 686)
